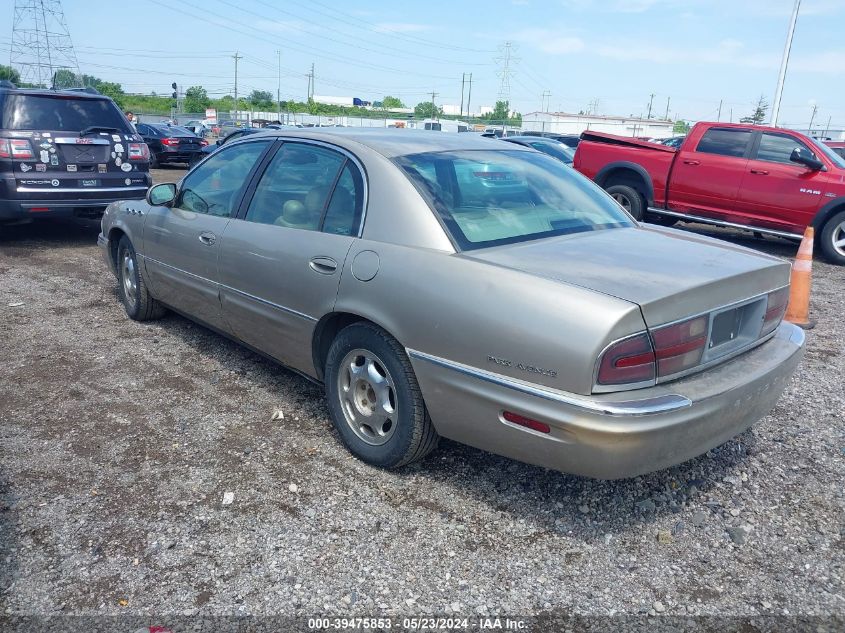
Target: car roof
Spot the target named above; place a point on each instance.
(533, 139)
(43, 92)
(394, 142)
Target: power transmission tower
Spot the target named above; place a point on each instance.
(41, 44)
(505, 59)
(236, 57)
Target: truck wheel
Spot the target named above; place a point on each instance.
(660, 220)
(630, 200)
(374, 399)
(832, 239)
(136, 299)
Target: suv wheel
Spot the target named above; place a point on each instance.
(832, 239)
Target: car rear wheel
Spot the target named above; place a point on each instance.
(154, 162)
(629, 198)
(832, 239)
(136, 299)
(374, 399)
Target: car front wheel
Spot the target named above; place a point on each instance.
(136, 299)
(374, 399)
(832, 239)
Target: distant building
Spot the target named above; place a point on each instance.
(564, 123)
(451, 109)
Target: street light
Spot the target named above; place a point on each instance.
(783, 64)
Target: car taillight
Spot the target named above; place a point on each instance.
(170, 141)
(20, 148)
(4, 148)
(139, 151)
(679, 346)
(775, 309)
(630, 360)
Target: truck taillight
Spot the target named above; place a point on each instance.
(170, 142)
(628, 361)
(139, 151)
(776, 303)
(20, 148)
(679, 346)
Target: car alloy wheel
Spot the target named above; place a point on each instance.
(129, 278)
(367, 395)
(623, 200)
(837, 238)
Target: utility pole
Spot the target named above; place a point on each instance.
(719, 115)
(469, 96)
(433, 110)
(463, 87)
(545, 101)
(827, 127)
(651, 99)
(666, 116)
(783, 64)
(236, 57)
(279, 89)
(311, 83)
(812, 118)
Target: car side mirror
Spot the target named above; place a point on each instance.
(161, 195)
(802, 158)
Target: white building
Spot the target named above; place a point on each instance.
(563, 123)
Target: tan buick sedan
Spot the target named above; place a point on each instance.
(447, 285)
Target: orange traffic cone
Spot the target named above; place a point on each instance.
(800, 282)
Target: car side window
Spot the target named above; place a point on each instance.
(343, 215)
(777, 148)
(725, 142)
(294, 190)
(214, 187)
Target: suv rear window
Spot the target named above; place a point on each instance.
(62, 113)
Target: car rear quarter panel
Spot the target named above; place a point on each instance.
(486, 316)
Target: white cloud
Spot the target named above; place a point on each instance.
(400, 27)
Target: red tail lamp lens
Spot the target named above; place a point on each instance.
(679, 346)
(775, 309)
(628, 361)
(528, 423)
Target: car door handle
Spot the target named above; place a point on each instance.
(323, 265)
(207, 238)
(761, 172)
(692, 162)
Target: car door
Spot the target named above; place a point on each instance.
(706, 179)
(181, 243)
(777, 193)
(281, 260)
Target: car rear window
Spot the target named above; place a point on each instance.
(47, 112)
(487, 198)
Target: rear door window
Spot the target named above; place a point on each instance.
(725, 142)
(60, 112)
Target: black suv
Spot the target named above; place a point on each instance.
(66, 153)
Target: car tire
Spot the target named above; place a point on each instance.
(832, 239)
(374, 399)
(630, 200)
(154, 162)
(133, 292)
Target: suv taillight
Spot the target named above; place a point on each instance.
(139, 151)
(776, 303)
(20, 148)
(170, 141)
(628, 361)
(4, 148)
(679, 346)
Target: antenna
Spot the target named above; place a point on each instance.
(41, 45)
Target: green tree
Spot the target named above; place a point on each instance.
(196, 99)
(113, 90)
(501, 111)
(759, 114)
(389, 103)
(681, 127)
(426, 110)
(9, 73)
(261, 99)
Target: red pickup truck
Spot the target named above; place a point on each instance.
(769, 180)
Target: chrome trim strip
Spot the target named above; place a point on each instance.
(732, 225)
(77, 190)
(240, 292)
(645, 406)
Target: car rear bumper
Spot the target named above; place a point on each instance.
(89, 207)
(179, 156)
(609, 436)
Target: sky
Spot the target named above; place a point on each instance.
(605, 55)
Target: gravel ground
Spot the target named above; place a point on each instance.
(120, 443)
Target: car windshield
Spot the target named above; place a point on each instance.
(835, 158)
(487, 198)
(58, 112)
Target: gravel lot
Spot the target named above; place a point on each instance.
(119, 440)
